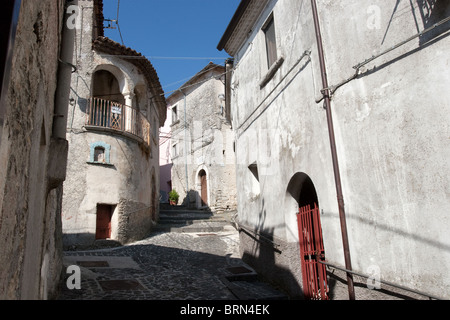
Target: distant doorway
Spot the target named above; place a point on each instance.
(203, 187)
(104, 215)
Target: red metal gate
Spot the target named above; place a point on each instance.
(315, 286)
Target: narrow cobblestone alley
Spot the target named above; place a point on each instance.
(168, 266)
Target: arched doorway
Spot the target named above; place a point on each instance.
(203, 187)
(312, 250)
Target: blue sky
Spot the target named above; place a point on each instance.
(163, 29)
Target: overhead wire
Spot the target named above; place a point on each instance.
(200, 82)
(165, 57)
(117, 22)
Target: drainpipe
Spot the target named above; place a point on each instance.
(65, 71)
(337, 177)
(228, 69)
(57, 163)
(185, 147)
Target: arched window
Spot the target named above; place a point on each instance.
(106, 86)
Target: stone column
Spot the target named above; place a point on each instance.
(130, 116)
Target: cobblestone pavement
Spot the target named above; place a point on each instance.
(168, 266)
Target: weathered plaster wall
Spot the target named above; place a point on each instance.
(209, 145)
(390, 130)
(30, 227)
(392, 133)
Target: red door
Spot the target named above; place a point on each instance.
(104, 214)
(315, 286)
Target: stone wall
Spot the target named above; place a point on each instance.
(30, 197)
(205, 143)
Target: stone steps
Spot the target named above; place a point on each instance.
(242, 281)
(180, 219)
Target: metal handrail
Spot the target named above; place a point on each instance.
(380, 280)
(113, 115)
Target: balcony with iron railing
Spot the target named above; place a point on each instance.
(112, 116)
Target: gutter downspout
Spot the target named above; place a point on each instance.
(59, 146)
(337, 178)
(65, 71)
(185, 147)
(228, 69)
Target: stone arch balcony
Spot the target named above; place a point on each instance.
(111, 116)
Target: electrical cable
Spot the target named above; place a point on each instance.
(117, 21)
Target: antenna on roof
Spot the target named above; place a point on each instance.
(110, 26)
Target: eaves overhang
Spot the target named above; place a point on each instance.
(110, 47)
(241, 25)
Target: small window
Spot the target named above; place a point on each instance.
(99, 154)
(174, 151)
(271, 45)
(255, 186)
(174, 114)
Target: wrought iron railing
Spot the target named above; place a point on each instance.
(113, 115)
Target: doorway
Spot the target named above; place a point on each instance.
(104, 216)
(312, 251)
(203, 188)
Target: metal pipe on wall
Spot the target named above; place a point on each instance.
(337, 177)
(185, 144)
(65, 71)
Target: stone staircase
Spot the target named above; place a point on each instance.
(241, 280)
(184, 220)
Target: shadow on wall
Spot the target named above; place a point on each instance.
(189, 202)
(193, 200)
(432, 12)
(275, 260)
(269, 260)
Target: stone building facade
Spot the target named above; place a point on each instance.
(33, 151)
(203, 160)
(116, 108)
(388, 84)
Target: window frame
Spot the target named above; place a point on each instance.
(270, 37)
(174, 151)
(107, 153)
(174, 114)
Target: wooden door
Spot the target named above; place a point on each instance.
(104, 214)
(204, 189)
